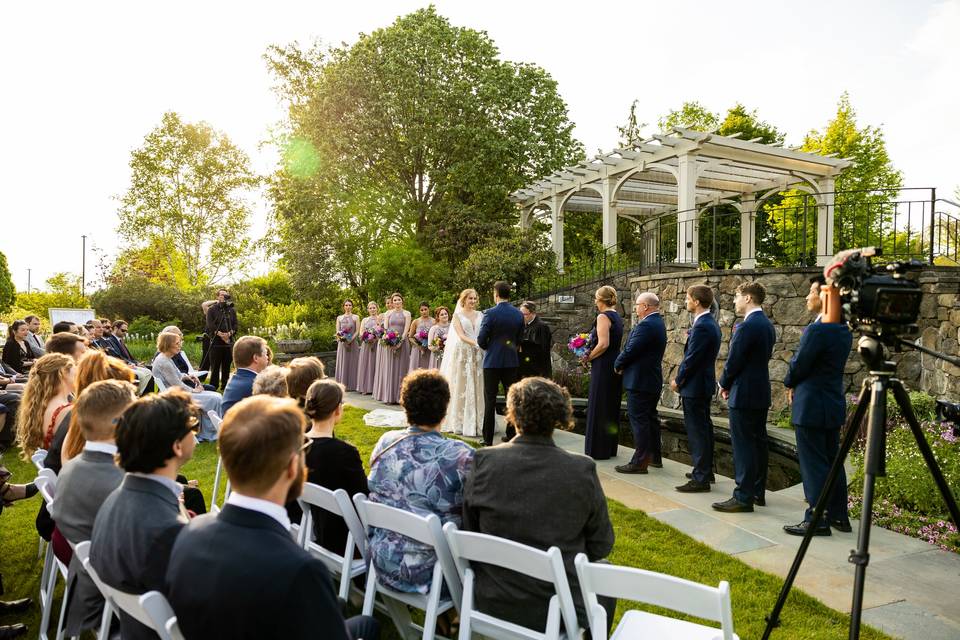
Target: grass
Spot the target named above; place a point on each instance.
(641, 542)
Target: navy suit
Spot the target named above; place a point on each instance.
(641, 362)
(697, 382)
(746, 375)
(239, 386)
(819, 410)
(500, 334)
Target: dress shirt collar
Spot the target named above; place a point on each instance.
(167, 482)
(101, 447)
(656, 313)
(752, 311)
(699, 315)
(259, 505)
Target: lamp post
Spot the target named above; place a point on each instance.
(83, 269)
(28, 280)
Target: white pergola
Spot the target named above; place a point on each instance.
(684, 172)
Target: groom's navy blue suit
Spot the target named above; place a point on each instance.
(697, 383)
(499, 336)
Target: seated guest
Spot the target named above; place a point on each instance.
(272, 381)
(84, 484)
(117, 348)
(417, 469)
(239, 574)
(64, 326)
(303, 372)
(331, 463)
(16, 351)
(138, 523)
(48, 394)
(535, 493)
(34, 341)
(251, 357)
(95, 334)
(169, 345)
(69, 344)
(9, 403)
(191, 376)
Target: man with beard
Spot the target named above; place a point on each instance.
(262, 447)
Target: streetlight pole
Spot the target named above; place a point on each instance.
(83, 271)
(28, 280)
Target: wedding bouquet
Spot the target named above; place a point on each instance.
(580, 345)
(370, 336)
(421, 337)
(344, 336)
(438, 343)
(391, 338)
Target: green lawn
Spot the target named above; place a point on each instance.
(641, 542)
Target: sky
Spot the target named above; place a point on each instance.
(81, 84)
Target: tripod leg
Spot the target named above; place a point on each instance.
(850, 434)
(903, 401)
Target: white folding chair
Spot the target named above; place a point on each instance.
(214, 507)
(160, 386)
(38, 457)
(132, 603)
(46, 482)
(338, 503)
(161, 613)
(467, 547)
(648, 587)
(82, 551)
(425, 530)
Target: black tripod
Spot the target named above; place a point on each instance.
(873, 396)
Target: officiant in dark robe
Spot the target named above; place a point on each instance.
(535, 345)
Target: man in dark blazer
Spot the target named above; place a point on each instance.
(221, 327)
(641, 365)
(500, 334)
(238, 574)
(745, 385)
(535, 345)
(139, 522)
(82, 487)
(696, 384)
(815, 387)
(250, 353)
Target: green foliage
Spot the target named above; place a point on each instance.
(63, 291)
(184, 212)
(8, 292)
(406, 267)
(738, 119)
(143, 326)
(630, 134)
(691, 115)
(518, 257)
(137, 297)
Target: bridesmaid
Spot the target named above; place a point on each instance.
(603, 403)
(392, 362)
(366, 368)
(348, 353)
(439, 329)
(420, 355)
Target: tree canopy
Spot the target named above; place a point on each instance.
(8, 292)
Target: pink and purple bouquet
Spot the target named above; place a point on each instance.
(580, 345)
(369, 336)
(422, 337)
(344, 336)
(391, 338)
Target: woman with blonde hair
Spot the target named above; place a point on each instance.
(166, 371)
(603, 403)
(48, 393)
(462, 366)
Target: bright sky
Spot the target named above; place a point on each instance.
(82, 83)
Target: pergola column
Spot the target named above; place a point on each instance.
(608, 187)
(526, 214)
(825, 214)
(748, 236)
(556, 231)
(687, 250)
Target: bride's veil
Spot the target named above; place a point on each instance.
(453, 339)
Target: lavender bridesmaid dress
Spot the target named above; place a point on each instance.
(392, 363)
(420, 358)
(366, 368)
(434, 355)
(348, 356)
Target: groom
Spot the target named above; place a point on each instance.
(500, 335)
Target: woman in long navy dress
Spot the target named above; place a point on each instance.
(603, 403)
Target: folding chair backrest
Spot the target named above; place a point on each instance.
(162, 615)
(338, 503)
(46, 483)
(669, 592)
(214, 506)
(467, 547)
(129, 603)
(38, 458)
(161, 387)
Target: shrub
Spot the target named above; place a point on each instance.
(137, 297)
(143, 325)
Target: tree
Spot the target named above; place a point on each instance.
(692, 115)
(630, 135)
(8, 292)
(185, 201)
(62, 291)
(521, 257)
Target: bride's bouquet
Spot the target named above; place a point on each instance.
(422, 337)
(369, 336)
(391, 338)
(580, 345)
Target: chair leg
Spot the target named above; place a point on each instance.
(47, 598)
(62, 622)
(105, 621)
(400, 615)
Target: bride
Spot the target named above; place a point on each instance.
(462, 366)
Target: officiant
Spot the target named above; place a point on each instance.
(535, 345)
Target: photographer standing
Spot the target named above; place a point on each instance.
(221, 327)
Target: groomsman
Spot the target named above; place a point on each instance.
(815, 387)
(696, 384)
(640, 363)
(745, 384)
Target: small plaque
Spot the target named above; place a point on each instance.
(566, 299)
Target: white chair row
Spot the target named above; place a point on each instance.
(215, 506)
(53, 568)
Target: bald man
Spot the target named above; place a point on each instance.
(641, 365)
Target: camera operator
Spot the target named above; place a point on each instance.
(220, 329)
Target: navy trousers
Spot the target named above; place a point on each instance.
(645, 424)
(748, 431)
(817, 449)
(699, 427)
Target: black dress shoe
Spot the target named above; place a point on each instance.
(505, 439)
(656, 463)
(712, 479)
(694, 487)
(13, 631)
(630, 468)
(733, 506)
(15, 606)
(760, 502)
(801, 529)
(842, 526)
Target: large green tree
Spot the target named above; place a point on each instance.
(186, 203)
(8, 292)
(417, 130)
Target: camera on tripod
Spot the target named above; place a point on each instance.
(878, 300)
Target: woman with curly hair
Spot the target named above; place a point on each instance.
(48, 394)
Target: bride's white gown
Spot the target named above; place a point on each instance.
(462, 365)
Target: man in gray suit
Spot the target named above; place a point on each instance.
(137, 525)
(34, 341)
(83, 485)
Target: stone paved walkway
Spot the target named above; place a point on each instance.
(913, 588)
